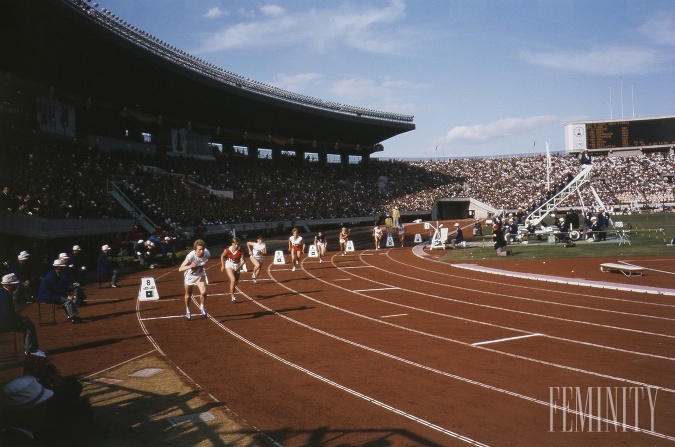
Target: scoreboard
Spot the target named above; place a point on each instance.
(619, 134)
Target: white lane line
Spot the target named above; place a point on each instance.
(426, 368)
(531, 314)
(393, 316)
(485, 348)
(545, 289)
(376, 290)
(332, 383)
(164, 318)
(505, 339)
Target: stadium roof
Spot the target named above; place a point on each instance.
(85, 54)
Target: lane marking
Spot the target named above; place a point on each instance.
(377, 290)
(521, 286)
(426, 368)
(485, 348)
(167, 317)
(339, 386)
(395, 315)
(505, 339)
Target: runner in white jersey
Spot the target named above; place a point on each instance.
(295, 247)
(256, 250)
(194, 273)
(377, 236)
(343, 237)
(401, 233)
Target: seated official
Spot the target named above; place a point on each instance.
(10, 321)
(104, 266)
(58, 288)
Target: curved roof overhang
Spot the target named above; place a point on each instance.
(57, 44)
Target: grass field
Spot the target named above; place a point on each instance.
(648, 235)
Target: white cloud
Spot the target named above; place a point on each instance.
(214, 13)
(373, 30)
(272, 10)
(385, 94)
(606, 61)
(661, 30)
(480, 133)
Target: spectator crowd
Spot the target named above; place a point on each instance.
(54, 178)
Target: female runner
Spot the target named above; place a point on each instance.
(295, 247)
(256, 250)
(321, 245)
(344, 237)
(231, 261)
(195, 275)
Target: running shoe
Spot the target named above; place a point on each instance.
(234, 300)
(293, 269)
(204, 314)
(188, 316)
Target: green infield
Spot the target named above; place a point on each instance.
(645, 235)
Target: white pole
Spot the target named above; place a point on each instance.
(632, 99)
(610, 102)
(621, 98)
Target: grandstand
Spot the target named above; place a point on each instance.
(111, 79)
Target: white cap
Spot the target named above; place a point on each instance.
(10, 278)
(24, 392)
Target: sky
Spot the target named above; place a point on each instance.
(481, 77)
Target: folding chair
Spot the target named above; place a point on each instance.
(53, 306)
(16, 349)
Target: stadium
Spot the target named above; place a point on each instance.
(417, 344)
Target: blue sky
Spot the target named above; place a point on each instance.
(481, 77)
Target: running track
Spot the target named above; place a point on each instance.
(386, 348)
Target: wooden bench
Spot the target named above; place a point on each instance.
(627, 270)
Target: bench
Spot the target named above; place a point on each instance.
(627, 270)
